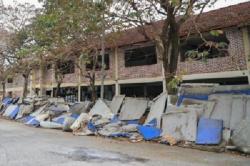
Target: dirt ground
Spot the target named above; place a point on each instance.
(21, 145)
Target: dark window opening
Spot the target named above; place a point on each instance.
(67, 67)
(196, 48)
(140, 56)
(109, 92)
(48, 93)
(149, 90)
(10, 80)
(49, 66)
(70, 94)
(89, 66)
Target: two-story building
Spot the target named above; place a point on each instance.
(133, 67)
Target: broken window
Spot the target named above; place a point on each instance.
(10, 80)
(211, 46)
(67, 67)
(89, 66)
(140, 56)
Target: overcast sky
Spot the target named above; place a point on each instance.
(219, 4)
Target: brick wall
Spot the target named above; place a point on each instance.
(146, 71)
(110, 73)
(235, 61)
(18, 81)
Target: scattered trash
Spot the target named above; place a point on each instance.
(200, 115)
(168, 139)
(50, 125)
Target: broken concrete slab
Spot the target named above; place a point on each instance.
(248, 107)
(238, 111)
(133, 108)
(116, 103)
(101, 108)
(50, 125)
(241, 136)
(181, 125)
(208, 106)
(223, 108)
(59, 107)
(39, 110)
(111, 129)
(79, 108)
(157, 109)
(11, 111)
(68, 123)
(24, 110)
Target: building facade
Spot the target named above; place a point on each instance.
(134, 68)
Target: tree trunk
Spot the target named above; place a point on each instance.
(58, 90)
(93, 88)
(25, 85)
(170, 42)
(42, 69)
(4, 88)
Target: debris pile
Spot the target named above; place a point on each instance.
(201, 116)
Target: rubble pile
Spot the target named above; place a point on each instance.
(202, 115)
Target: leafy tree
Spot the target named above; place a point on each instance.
(18, 46)
(173, 14)
(76, 28)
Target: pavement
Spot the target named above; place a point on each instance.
(21, 145)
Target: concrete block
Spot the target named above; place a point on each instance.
(180, 125)
(116, 103)
(157, 109)
(133, 108)
(238, 111)
(101, 108)
(223, 108)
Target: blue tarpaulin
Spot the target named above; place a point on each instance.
(149, 133)
(209, 131)
(194, 96)
(245, 92)
(33, 122)
(92, 127)
(14, 113)
(7, 101)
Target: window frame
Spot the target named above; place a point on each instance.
(143, 60)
